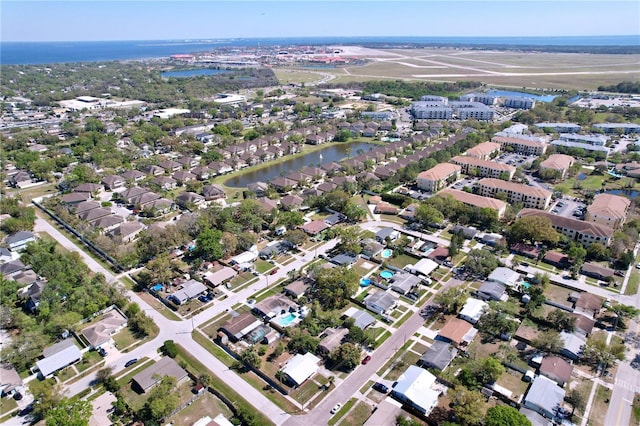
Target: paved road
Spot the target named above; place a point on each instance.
(321, 413)
(180, 331)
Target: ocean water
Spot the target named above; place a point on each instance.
(16, 53)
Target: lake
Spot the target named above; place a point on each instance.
(629, 193)
(329, 154)
(541, 98)
(192, 73)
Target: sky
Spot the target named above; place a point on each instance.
(88, 20)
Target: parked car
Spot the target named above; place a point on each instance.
(619, 273)
(102, 352)
(380, 387)
(130, 362)
(366, 359)
(336, 408)
(26, 410)
(273, 271)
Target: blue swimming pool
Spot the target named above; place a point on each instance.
(286, 320)
(386, 253)
(157, 287)
(386, 274)
(525, 284)
(365, 282)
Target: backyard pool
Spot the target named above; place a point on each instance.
(386, 274)
(365, 282)
(287, 319)
(157, 287)
(525, 284)
(386, 253)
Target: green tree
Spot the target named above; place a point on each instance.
(251, 357)
(452, 299)
(169, 348)
(504, 415)
(468, 407)
(69, 413)
(498, 323)
(208, 244)
(548, 341)
(350, 240)
(47, 393)
(297, 237)
(533, 229)
(346, 356)
(162, 400)
(481, 262)
(481, 372)
(334, 286)
(561, 320)
(428, 215)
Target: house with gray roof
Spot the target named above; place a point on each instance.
(58, 356)
(491, 290)
(190, 290)
(381, 302)
(438, 356)
(403, 283)
(544, 397)
(151, 376)
(572, 345)
(361, 319)
(19, 240)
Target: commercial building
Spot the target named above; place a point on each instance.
(484, 151)
(559, 163)
(435, 178)
(529, 196)
(520, 145)
(576, 230)
(484, 168)
(478, 201)
(608, 209)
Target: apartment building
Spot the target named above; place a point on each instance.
(581, 231)
(484, 151)
(559, 127)
(597, 140)
(435, 178)
(519, 103)
(484, 168)
(559, 163)
(529, 196)
(584, 146)
(521, 146)
(471, 110)
(478, 201)
(609, 210)
(624, 128)
(483, 98)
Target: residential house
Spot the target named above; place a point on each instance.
(260, 188)
(74, 198)
(190, 290)
(416, 387)
(133, 175)
(331, 338)
(505, 276)
(183, 177)
(559, 260)
(588, 304)
(387, 234)
(220, 276)
(90, 188)
(165, 183)
(57, 357)
(108, 223)
(112, 182)
(153, 170)
(583, 325)
(544, 397)
(381, 302)
(385, 208)
(491, 290)
(556, 369)
(11, 268)
(213, 192)
(21, 179)
(361, 319)
(291, 202)
(297, 289)
(101, 332)
(128, 231)
(19, 240)
(300, 368)
(457, 331)
(314, 227)
(170, 165)
(152, 375)
(438, 356)
(283, 184)
(572, 345)
(202, 173)
(187, 200)
(240, 325)
(473, 310)
(10, 381)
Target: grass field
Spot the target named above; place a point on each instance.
(533, 70)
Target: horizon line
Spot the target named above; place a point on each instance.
(209, 39)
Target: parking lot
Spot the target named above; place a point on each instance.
(567, 207)
(516, 160)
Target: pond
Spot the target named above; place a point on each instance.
(192, 73)
(631, 194)
(328, 154)
(541, 98)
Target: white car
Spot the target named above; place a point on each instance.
(336, 408)
(638, 266)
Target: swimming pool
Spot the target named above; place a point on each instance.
(386, 274)
(365, 282)
(525, 284)
(157, 287)
(286, 319)
(386, 253)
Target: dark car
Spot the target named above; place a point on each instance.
(380, 387)
(619, 273)
(102, 352)
(130, 362)
(366, 359)
(203, 298)
(26, 410)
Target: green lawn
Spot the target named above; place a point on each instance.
(262, 266)
(124, 338)
(408, 358)
(635, 411)
(66, 373)
(402, 260)
(212, 348)
(358, 416)
(345, 408)
(632, 284)
(89, 359)
(7, 405)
